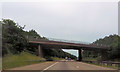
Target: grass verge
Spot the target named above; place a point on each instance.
(11, 61)
(0, 63)
(56, 58)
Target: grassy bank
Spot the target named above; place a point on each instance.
(11, 61)
(56, 58)
(0, 63)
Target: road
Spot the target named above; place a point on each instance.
(62, 65)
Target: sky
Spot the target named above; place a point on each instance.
(79, 21)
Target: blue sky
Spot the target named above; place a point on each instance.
(81, 21)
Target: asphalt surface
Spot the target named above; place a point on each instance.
(62, 65)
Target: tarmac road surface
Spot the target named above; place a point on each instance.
(62, 65)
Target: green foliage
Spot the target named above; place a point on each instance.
(12, 36)
(15, 41)
(56, 58)
(90, 54)
(114, 51)
(89, 59)
(32, 33)
(108, 40)
(57, 53)
(113, 41)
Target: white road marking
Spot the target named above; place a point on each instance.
(49, 67)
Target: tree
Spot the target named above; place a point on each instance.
(13, 39)
(113, 41)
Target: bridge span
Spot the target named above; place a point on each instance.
(77, 46)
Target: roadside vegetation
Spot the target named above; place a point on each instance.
(113, 53)
(0, 63)
(22, 59)
(56, 58)
(114, 67)
(89, 59)
(17, 51)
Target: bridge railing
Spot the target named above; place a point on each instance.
(70, 41)
(77, 42)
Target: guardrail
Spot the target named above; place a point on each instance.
(107, 63)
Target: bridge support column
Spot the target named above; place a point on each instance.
(40, 53)
(103, 55)
(80, 55)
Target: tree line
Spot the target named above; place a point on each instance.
(15, 41)
(113, 42)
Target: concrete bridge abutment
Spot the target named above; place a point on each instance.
(104, 55)
(40, 51)
(80, 55)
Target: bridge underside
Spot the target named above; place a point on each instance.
(64, 45)
(47, 46)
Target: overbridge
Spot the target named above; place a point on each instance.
(68, 45)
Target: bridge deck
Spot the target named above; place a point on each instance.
(77, 45)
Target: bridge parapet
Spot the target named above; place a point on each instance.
(66, 42)
(77, 42)
(70, 41)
